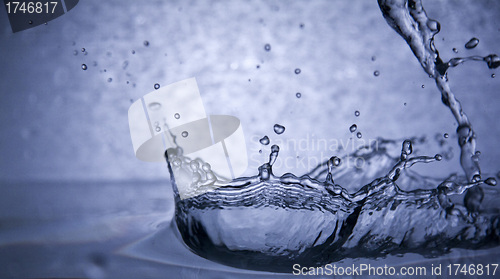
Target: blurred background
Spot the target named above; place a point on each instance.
(73, 196)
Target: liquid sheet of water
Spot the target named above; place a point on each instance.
(266, 222)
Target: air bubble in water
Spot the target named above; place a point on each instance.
(278, 129)
(177, 116)
(146, 43)
(154, 106)
(491, 181)
(157, 86)
(298, 95)
(267, 47)
(472, 43)
(264, 140)
(359, 135)
(184, 134)
(353, 128)
(297, 71)
(84, 67)
(376, 73)
(356, 113)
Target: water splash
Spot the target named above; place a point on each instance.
(312, 220)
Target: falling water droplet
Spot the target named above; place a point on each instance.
(267, 47)
(278, 129)
(177, 116)
(353, 128)
(260, 151)
(492, 75)
(30, 22)
(491, 181)
(356, 113)
(478, 153)
(423, 86)
(184, 134)
(374, 58)
(472, 43)
(301, 26)
(154, 106)
(84, 67)
(438, 157)
(157, 128)
(264, 140)
(146, 43)
(297, 71)
(359, 135)
(455, 50)
(83, 49)
(110, 79)
(492, 60)
(446, 135)
(157, 86)
(298, 95)
(376, 73)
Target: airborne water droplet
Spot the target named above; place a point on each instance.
(177, 116)
(146, 43)
(472, 43)
(30, 22)
(157, 128)
(154, 106)
(359, 135)
(423, 86)
(374, 58)
(297, 71)
(133, 51)
(446, 135)
(267, 47)
(83, 49)
(264, 140)
(110, 79)
(84, 67)
(356, 113)
(157, 86)
(492, 75)
(438, 157)
(278, 129)
(491, 181)
(455, 50)
(376, 73)
(184, 134)
(353, 128)
(298, 95)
